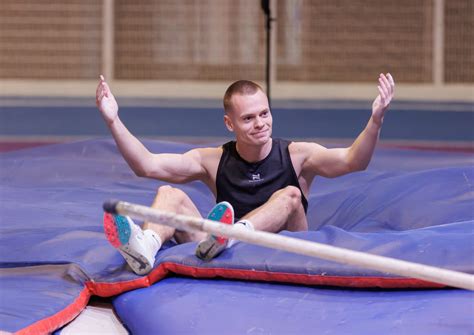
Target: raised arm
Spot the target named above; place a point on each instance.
(361, 151)
(318, 160)
(174, 168)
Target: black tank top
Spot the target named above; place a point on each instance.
(247, 186)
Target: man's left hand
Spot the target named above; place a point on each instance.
(386, 89)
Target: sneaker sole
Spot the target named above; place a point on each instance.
(118, 232)
(137, 262)
(214, 245)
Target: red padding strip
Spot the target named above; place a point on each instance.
(110, 289)
(59, 319)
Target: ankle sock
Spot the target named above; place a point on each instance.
(246, 223)
(241, 224)
(154, 238)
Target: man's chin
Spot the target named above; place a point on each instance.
(262, 139)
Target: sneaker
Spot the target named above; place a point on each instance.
(213, 245)
(136, 247)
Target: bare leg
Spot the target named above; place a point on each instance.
(174, 200)
(282, 211)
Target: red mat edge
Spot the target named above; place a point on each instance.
(104, 289)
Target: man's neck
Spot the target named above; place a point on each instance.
(254, 154)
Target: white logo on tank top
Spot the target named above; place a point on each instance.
(255, 178)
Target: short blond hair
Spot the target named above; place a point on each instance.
(242, 87)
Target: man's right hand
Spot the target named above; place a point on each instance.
(106, 102)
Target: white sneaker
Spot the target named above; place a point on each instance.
(138, 247)
(213, 245)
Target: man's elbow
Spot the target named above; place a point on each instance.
(141, 172)
(355, 166)
(344, 169)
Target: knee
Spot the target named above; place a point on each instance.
(172, 199)
(292, 195)
(165, 189)
(169, 192)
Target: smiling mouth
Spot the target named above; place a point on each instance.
(261, 132)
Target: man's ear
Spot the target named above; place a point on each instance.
(228, 123)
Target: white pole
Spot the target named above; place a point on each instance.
(298, 246)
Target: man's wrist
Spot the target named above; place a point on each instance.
(377, 121)
(113, 122)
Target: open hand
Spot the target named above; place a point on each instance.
(105, 101)
(386, 89)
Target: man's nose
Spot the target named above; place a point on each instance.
(258, 122)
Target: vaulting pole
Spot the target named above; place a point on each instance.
(298, 246)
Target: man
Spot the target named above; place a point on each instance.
(266, 180)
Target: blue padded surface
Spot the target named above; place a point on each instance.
(415, 205)
(37, 292)
(190, 306)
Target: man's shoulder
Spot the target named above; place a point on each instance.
(304, 149)
(208, 151)
(298, 146)
(209, 156)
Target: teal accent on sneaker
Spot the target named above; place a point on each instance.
(213, 245)
(123, 228)
(130, 242)
(218, 212)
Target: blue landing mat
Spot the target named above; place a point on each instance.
(192, 306)
(414, 205)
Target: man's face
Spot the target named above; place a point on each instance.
(250, 118)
